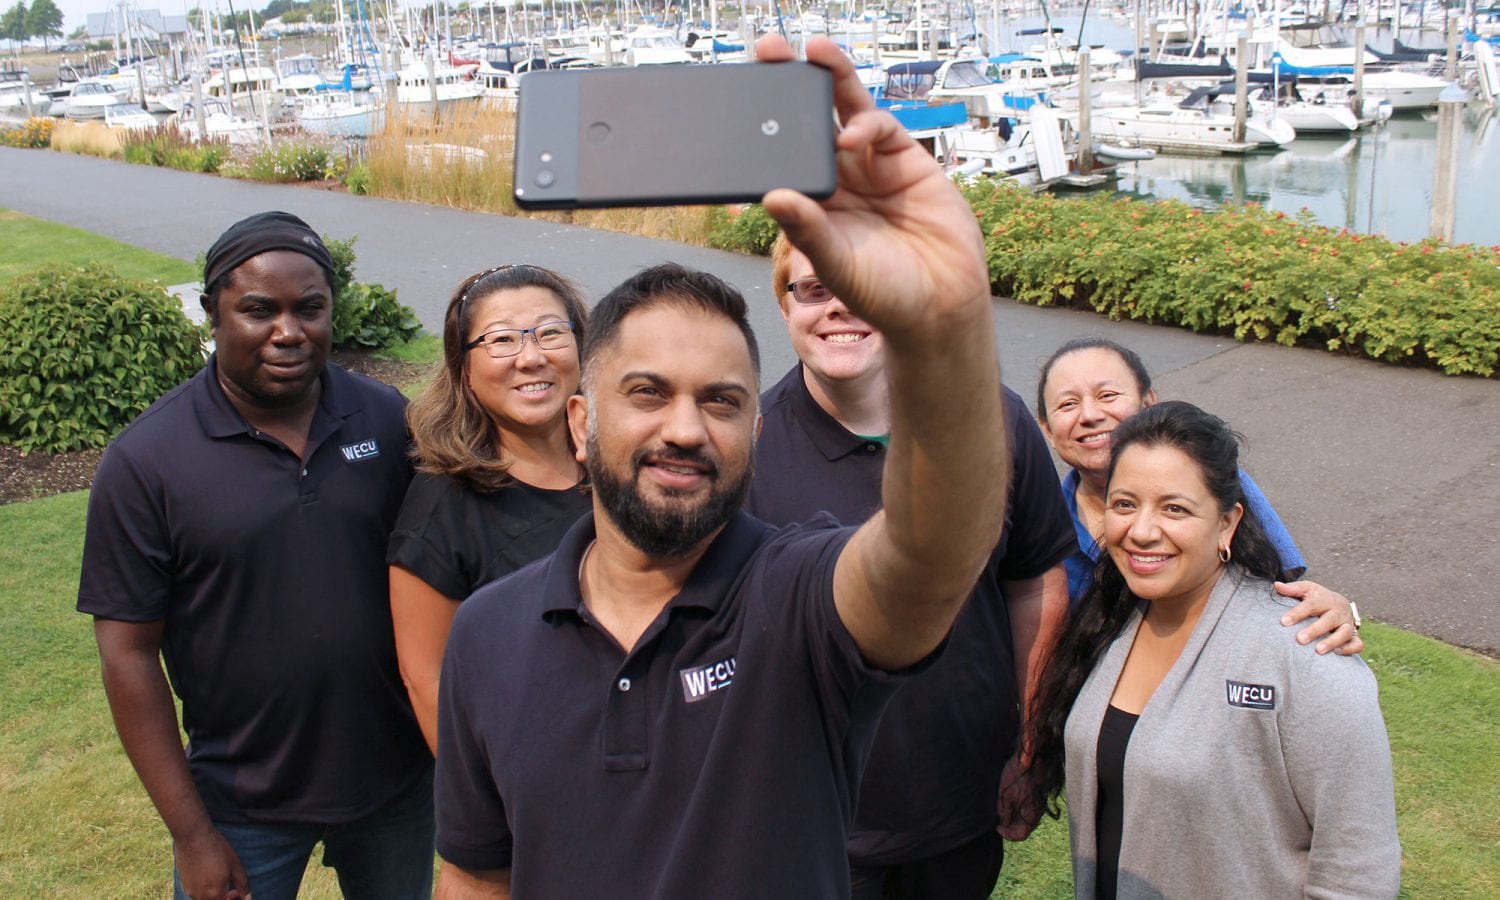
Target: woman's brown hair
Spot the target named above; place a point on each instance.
(452, 434)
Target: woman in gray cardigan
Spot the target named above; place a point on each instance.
(1205, 753)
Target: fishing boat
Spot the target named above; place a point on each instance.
(299, 75)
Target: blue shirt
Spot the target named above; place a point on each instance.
(1080, 564)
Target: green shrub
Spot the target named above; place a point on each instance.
(358, 179)
(368, 317)
(171, 148)
(288, 162)
(747, 230)
(365, 316)
(1247, 272)
(85, 351)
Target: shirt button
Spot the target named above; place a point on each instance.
(623, 684)
(872, 447)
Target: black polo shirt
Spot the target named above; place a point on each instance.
(719, 758)
(270, 577)
(934, 771)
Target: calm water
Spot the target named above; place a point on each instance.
(1378, 181)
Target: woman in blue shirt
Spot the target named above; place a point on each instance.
(1087, 388)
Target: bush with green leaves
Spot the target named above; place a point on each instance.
(1248, 272)
(365, 316)
(85, 350)
(358, 179)
(288, 162)
(368, 317)
(749, 229)
(169, 147)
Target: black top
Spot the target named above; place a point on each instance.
(719, 756)
(270, 577)
(934, 772)
(1114, 738)
(456, 538)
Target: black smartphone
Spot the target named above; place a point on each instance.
(666, 135)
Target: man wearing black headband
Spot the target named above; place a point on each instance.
(237, 529)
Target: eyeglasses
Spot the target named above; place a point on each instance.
(810, 291)
(509, 341)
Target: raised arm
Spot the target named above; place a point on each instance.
(141, 703)
(899, 244)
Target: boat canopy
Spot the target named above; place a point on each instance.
(1145, 71)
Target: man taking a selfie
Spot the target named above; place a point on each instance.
(680, 699)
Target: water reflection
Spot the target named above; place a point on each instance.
(1379, 181)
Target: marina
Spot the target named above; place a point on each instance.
(994, 91)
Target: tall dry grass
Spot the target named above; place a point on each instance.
(88, 139)
(464, 158)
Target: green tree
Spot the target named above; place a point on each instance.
(45, 21)
(13, 23)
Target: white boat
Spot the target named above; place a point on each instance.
(340, 114)
(651, 46)
(957, 81)
(15, 88)
(220, 123)
(299, 75)
(415, 92)
(88, 99)
(1123, 151)
(250, 87)
(128, 117)
(1199, 124)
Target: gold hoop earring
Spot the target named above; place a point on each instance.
(1224, 555)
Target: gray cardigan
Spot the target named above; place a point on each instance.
(1257, 769)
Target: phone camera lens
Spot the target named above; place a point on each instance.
(545, 178)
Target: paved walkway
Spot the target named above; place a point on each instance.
(1389, 478)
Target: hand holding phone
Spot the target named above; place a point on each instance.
(673, 134)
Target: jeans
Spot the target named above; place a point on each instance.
(387, 855)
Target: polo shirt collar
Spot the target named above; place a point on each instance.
(220, 419)
(710, 582)
(831, 438)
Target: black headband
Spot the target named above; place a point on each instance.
(259, 234)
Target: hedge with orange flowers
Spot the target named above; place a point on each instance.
(1248, 272)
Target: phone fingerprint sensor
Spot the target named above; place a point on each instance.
(598, 133)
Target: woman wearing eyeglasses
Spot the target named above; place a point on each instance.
(497, 483)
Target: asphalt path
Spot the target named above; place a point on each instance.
(1388, 478)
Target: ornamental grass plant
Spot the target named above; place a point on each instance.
(88, 139)
(465, 158)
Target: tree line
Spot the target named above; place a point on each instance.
(43, 19)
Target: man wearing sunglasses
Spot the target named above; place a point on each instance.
(925, 825)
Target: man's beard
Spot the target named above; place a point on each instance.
(663, 531)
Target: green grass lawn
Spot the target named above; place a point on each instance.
(26, 243)
(74, 821)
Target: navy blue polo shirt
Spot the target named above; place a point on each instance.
(934, 772)
(270, 578)
(719, 757)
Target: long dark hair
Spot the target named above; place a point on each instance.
(1101, 614)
